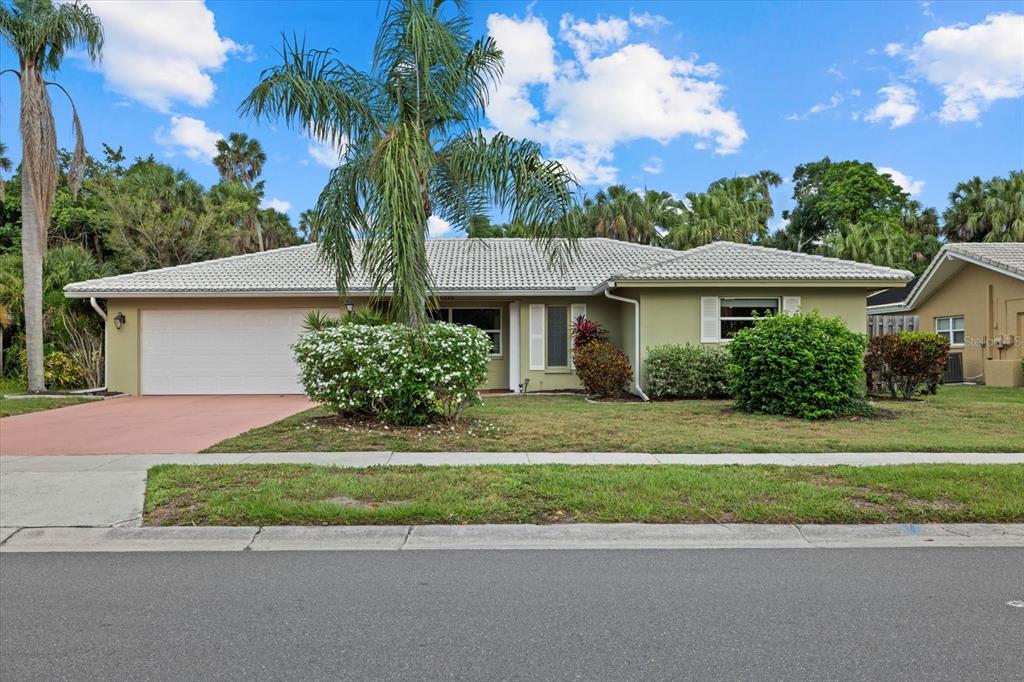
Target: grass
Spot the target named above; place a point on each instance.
(959, 418)
(9, 408)
(283, 494)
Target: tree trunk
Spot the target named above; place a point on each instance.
(39, 185)
(255, 218)
(32, 271)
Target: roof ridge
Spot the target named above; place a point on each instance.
(680, 255)
(817, 256)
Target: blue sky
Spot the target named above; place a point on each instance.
(664, 95)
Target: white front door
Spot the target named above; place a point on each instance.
(187, 352)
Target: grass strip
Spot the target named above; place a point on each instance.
(287, 494)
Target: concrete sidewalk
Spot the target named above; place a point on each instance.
(107, 490)
(508, 537)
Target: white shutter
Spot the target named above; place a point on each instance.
(537, 336)
(791, 305)
(710, 329)
(578, 310)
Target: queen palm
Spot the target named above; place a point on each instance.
(241, 158)
(40, 33)
(411, 149)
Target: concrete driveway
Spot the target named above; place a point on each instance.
(143, 424)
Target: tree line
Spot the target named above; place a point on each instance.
(845, 209)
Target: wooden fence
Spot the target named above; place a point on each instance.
(879, 325)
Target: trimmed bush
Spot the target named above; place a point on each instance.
(687, 371)
(393, 372)
(798, 365)
(603, 369)
(902, 363)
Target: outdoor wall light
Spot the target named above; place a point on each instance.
(119, 320)
(349, 306)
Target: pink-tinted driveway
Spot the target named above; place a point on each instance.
(143, 424)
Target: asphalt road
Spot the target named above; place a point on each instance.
(926, 614)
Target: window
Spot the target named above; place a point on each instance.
(738, 313)
(486, 319)
(558, 335)
(952, 328)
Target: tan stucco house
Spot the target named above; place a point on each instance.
(225, 326)
(973, 294)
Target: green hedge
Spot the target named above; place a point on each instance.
(687, 371)
(798, 365)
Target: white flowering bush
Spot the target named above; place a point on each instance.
(394, 372)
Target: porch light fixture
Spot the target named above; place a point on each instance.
(349, 306)
(119, 320)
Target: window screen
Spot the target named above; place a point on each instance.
(558, 336)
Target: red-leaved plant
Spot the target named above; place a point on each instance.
(586, 331)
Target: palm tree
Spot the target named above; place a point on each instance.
(733, 209)
(990, 210)
(5, 167)
(306, 231)
(241, 158)
(40, 33)
(411, 149)
(629, 216)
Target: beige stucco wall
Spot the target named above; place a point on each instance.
(123, 345)
(667, 315)
(992, 305)
(673, 315)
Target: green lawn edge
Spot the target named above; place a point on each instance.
(311, 495)
(958, 419)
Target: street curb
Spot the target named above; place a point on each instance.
(508, 537)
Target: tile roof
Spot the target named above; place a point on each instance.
(731, 261)
(482, 265)
(1005, 255)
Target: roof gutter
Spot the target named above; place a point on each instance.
(636, 333)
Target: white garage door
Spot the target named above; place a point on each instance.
(186, 352)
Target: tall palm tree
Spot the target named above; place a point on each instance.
(40, 33)
(733, 209)
(990, 210)
(241, 158)
(5, 167)
(412, 149)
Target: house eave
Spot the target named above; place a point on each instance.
(323, 293)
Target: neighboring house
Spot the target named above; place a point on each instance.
(225, 326)
(973, 294)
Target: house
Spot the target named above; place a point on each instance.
(225, 326)
(973, 294)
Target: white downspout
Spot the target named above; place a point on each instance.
(636, 335)
(102, 313)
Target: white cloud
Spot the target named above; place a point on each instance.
(909, 184)
(438, 227)
(926, 8)
(654, 22)
(653, 165)
(973, 65)
(325, 153)
(899, 106)
(586, 38)
(162, 52)
(583, 110)
(277, 204)
(189, 136)
(893, 49)
(833, 102)
(834, 71)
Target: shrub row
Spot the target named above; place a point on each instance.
(687, 371)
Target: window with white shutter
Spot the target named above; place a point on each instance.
(709, 319)
(536, 321)
(791, 305)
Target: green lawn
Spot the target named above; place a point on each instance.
(282, 494)
(959, 418)
(24, 405)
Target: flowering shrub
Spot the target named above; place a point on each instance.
(603, 369)
(799, 365)
(901, 363)
(393, 372)
(687, 371)
(585, 331)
